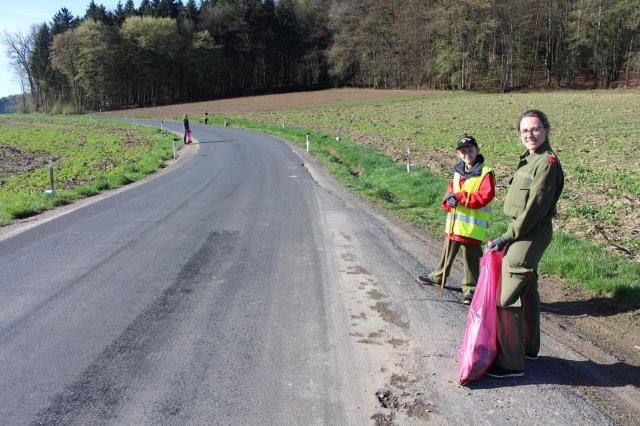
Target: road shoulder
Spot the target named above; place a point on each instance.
(603, 336)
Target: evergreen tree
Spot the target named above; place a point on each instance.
(146, 8)
(62, 21)
(98, 13)
(191, 12)
(129, 8)
(119, 14)
(39, 62)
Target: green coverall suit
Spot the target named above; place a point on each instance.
(530, 204)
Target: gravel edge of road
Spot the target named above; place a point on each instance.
(417, 242)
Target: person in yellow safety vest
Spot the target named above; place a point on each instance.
(467, 202)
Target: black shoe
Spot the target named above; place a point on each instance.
(532, 357)
(468, 297)
(501, 373)
(425, 280)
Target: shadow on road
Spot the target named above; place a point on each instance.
(595, 307)
(558, 371)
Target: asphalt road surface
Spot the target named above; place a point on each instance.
(237, 288)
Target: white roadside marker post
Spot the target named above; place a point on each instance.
(409, 161)
(161, 125)
(51, 191)
(308, 140)
(175, 148)
(226, 122)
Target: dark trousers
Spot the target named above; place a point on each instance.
(519, 304)
(471, 255)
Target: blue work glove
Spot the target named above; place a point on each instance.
(452, 201)
(497, 244)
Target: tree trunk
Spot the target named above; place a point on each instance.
(628, 65)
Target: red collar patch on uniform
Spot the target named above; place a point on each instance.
(553, 159)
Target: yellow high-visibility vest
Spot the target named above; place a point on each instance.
(470, 223)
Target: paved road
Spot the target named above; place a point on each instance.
(201, 294)
(235, 289)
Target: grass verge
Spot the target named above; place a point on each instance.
(416, 196)
(593, 132)
(91, 155)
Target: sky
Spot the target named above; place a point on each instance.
(20, 15)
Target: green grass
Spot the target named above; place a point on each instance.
(91, 155)
(594, 133)
(416, 197)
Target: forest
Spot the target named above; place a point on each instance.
(167, 51)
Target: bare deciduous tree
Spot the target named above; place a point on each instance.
(19, 48)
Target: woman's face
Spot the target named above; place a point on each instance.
(532, 133)
(468, 154)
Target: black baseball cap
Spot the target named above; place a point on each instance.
(466, 141)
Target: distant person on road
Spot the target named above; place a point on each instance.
(467, 203)
(185, 123)
(530, 204)
(206, 117)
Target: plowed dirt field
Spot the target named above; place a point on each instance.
(265, 102)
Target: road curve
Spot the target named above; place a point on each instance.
(235, 289)
(201, 294)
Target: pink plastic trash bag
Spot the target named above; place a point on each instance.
(479, 345)
(189, 138)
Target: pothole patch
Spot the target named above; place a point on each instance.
(397, 343)
(419, 409)
(357, 270)
(387, 314)
(375, 294)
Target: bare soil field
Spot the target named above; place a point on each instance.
(265, 103)
(605, 322)
(14, 161)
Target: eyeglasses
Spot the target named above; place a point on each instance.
(533, 130)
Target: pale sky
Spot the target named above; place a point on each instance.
(21, 15)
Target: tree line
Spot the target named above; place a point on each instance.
(9, 104)
(166, 51)
(486, 44)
